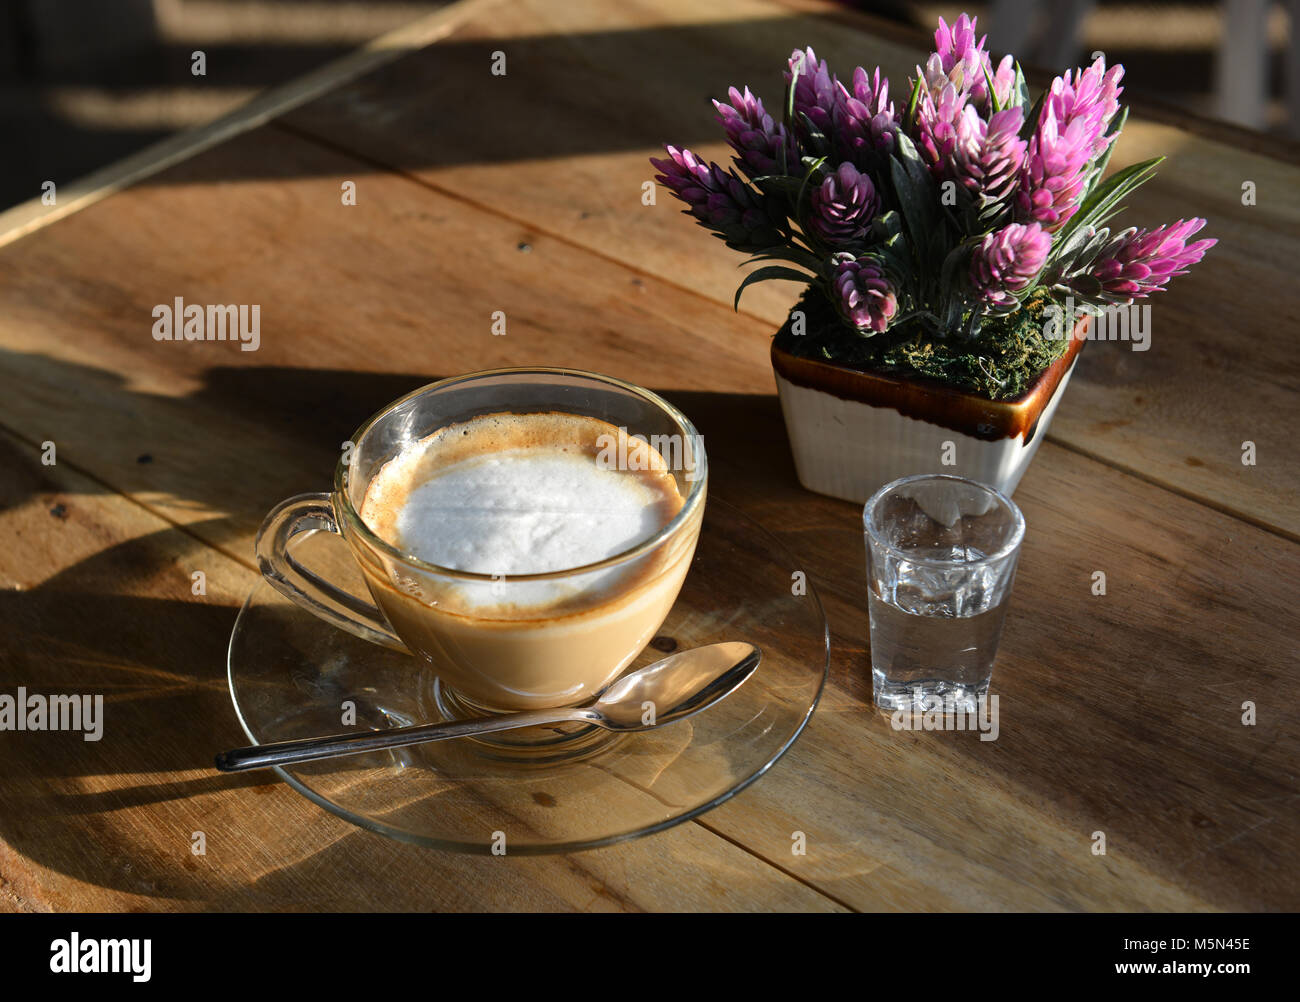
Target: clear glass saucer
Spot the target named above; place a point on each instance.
(293, 676)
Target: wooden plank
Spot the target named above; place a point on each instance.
(1121, 714)
(96, 597)
(1220, 370)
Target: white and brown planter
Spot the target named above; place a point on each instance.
(852, 432)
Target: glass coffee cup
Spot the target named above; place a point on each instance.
(500, 642)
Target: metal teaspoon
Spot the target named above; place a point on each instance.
(677, 687)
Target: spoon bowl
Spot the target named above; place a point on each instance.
(676, 687)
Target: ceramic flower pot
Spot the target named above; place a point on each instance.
(852, 432)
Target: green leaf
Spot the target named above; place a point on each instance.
(1020, 89)
(1085, 286)
(895, 259)
(1077, 257)
(789, 95)
(909, 208)
(782, 252)
(1094, 246)
(887, 225)
(922, 184)
(1031, 120)
(786, 189)
(776, 180)
(905, 151)
(814, 138)
(1069, 248)
(991, 217)
(917, 201)
(952, 315)
(994, 103)
(767, 274)
(1109, 215)
(811, 172)
(948, 273)
(910, 118)
(1101, 204)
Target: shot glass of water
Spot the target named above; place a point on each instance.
(941, 558)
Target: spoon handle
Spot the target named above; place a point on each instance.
(311, 749)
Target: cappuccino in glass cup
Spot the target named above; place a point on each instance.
(526, 531)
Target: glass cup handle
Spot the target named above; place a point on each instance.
(307, 513)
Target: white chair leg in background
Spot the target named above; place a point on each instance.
(1241, 71)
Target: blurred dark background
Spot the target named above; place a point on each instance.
(85, 82)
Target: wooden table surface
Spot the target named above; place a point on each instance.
(1120, 713)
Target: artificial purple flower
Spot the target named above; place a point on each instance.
(954, 78)
(962, 59)
(937, 118)
(1136, 262)
(1091, 97)
(1055, 169)
(859, 124)
(864, 296)
(956, 43)
(987, 156)
(958, 52)
(762, 145)
(1006, 262)
(689, 178)
(843, 207)
(720, 200)
(816, 91)
(865, 120)
(1071, 134)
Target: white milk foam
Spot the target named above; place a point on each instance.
(517, 494)
(526, 511)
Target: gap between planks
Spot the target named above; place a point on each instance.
(777, 866)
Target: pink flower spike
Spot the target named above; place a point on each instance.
(863, 293)
(1007, 261)
(1137, 263)
(756, 138)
